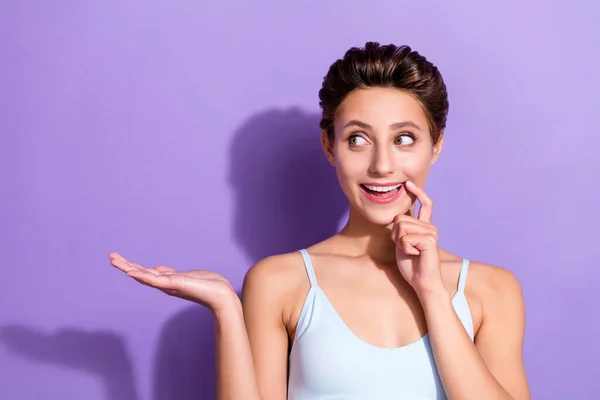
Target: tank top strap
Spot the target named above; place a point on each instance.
(309, 268)
(462, 278)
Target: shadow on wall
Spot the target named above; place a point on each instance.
(102, 354)
(185, 363)
(286, 197)
(286, 194)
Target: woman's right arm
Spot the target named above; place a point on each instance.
(266, 287)
(236, 378)
(241, 375)
(252, 341)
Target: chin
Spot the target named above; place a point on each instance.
(383, 217)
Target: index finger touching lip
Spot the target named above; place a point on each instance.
(426, 209)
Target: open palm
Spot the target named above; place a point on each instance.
(208, 288)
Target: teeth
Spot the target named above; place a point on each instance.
(382, 188)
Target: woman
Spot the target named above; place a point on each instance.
(377, 311)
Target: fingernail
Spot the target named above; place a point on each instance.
(410, 183)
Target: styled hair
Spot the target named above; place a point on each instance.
(386, 66)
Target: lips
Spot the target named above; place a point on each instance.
(382, 193)
(381, 190)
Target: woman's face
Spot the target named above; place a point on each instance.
(381, 140)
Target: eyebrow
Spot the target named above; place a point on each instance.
(396, 125)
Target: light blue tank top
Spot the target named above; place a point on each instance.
(328, 361)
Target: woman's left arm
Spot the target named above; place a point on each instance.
(492, 368)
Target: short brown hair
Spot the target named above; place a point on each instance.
(391, 66)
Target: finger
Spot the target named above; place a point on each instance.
(426, 209)
(151, 270)
(134, 265)
(114, 255)
(397, 235)
(404, 226)
(410, 225)
(162, 268)
(117, 257)
(152, 280)
(408, 228)
(418, 242)
(407, 246)
(398, 221)
(127, 266)
(409, 218)
(123, 265)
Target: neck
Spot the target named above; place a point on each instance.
(371, 240)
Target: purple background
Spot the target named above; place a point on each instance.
(185, 133)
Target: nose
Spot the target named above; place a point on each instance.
(382, 163)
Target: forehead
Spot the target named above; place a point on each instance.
(380, 108)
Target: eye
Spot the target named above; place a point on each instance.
(404, 139)
(356, 140)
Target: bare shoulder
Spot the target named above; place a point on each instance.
(494, 285)
(279, 270)
(493, 278)
(275, 277)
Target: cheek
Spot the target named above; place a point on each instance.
(415, 166)
(350, 165)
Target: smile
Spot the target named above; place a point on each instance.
(381, 194)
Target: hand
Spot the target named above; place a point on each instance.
(208, 288)
(417, 251)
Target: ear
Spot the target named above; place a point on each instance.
(327, 147)
(437, 148)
